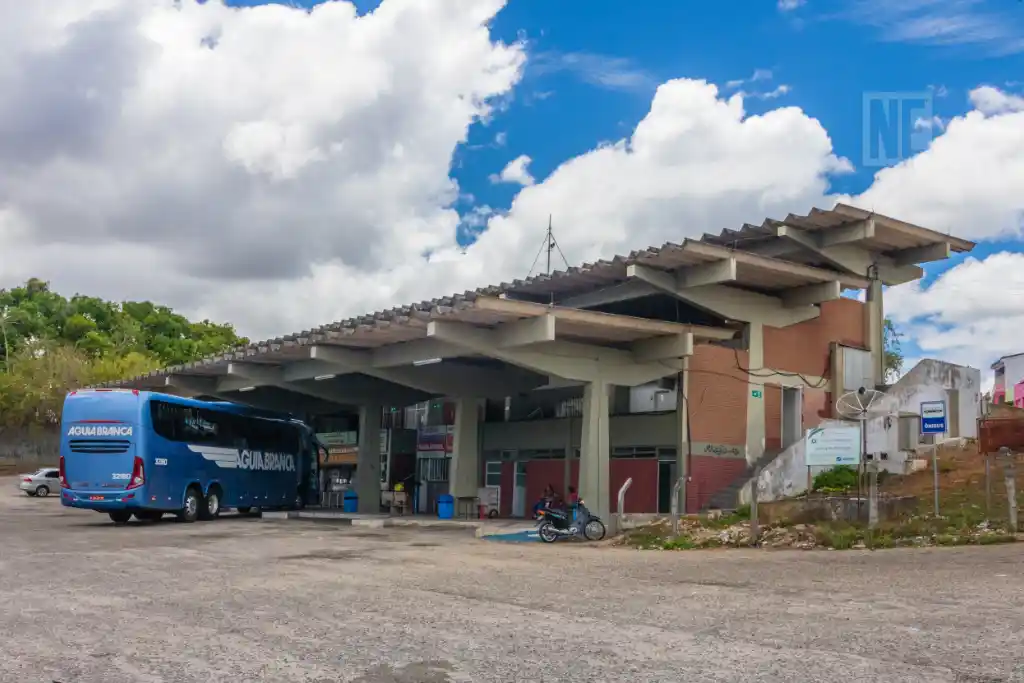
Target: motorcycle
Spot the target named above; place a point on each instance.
(556, 524)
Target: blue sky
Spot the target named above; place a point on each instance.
(595, 64)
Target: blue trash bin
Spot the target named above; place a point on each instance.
(350, 502)
(445, 507)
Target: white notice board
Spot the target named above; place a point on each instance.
(833, 445)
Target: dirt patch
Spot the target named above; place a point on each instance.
(329, 555)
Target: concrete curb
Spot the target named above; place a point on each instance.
(479, 529)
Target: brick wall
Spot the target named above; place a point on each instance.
(805, 347)
(718, 395)
(643, 492)
(708, 475)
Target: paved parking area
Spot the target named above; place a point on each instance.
(244, 600)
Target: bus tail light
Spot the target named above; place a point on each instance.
(63, 475)
(138, 474)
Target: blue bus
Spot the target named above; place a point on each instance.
(131, 452)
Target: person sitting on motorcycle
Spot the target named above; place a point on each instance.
(545, 500)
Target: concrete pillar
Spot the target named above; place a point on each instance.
(683, 433)
(595, 479)
(368, 467)
(874, 328)
(464, 471)
(755, 392)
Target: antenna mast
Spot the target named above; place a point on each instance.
(549, 245)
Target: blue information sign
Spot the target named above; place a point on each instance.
(933, 417)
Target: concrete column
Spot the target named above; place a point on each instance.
(755, 392)
(595, 478)
(874, 328)
(683, 434)
(463, 474)
(368, 468)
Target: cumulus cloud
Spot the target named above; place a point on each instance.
(970, 181)
(225, 150)
(517, 172)
(281, 168)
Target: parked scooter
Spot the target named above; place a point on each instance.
(556, 524)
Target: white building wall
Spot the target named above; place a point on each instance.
(1014, 373)
(929, 380)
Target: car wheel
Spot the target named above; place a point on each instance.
(42, 491)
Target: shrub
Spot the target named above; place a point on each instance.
(841, 478)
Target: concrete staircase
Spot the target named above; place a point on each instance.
(728, 497)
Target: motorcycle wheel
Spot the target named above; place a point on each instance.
(594, 530)
(547, 533)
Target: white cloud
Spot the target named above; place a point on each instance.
(790, 5)
(613, 73)
(945, 23)
(970, 181)
(930, 124)
(516, 172)
(972, 314)
(266, 182)
(989, 100)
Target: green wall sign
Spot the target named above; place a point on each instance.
(756, 393)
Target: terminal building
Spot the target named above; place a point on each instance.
(692, 362)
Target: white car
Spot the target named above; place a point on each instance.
(41, 483)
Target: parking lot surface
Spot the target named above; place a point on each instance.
(246, 600)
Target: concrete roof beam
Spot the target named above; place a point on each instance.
(840, 252)
(728, 302)
(568, 360)
(432, 377)
(809, 295)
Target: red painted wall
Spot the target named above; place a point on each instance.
(708, 475)
(507, 480)
(643, 493)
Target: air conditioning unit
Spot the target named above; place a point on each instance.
(667, 383)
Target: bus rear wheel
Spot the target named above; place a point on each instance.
(119, 516)
(190, 508)
(210, 508)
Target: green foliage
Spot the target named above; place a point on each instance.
(893, 359)
(50, 344)
(836, 480)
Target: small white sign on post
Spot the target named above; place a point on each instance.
(832, 446)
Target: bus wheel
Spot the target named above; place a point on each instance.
(210, 508)
(119, 516)
(190, 510)
(244, 510)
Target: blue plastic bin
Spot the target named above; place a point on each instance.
(350, 502)
(445, 507)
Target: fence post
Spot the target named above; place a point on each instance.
(675, 505)
(755, 521)
(622, 502)
(1010, 473)
(988, 486)
(935, 477)
(872, 494)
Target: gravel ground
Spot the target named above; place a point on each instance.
(245, 600)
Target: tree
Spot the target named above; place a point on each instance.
(893, 361)
(50, 345)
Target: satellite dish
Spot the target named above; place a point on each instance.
(861, 405)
